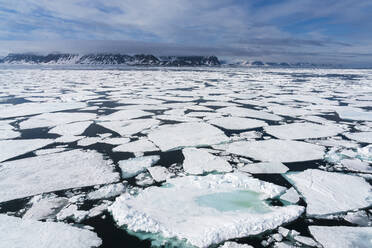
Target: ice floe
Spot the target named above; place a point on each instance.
(45, 208)
(17, 232)
(264, 168)
(198, 161)
(134, 166)
(159, 173)
(137, 147)
(64, 170)
(127, 128)
(126, 115)
(291, 196)
(13, 148)
(237, 123)
(364, 137)
(76, 128)
(327, 193)
(302, 131)
(54, 119)
(277, 150)
(168, 137)
(107, 191)
(342, 236)
(38, 108)
(244, 112)
(204, 210)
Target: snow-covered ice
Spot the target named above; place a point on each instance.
(342, 236)
(45, 208)
(237, 123)
(291, 196)
(296, 131)
(204, 210)
(277, 150)
(138, 146)
(52, 172)
(169, 137)
(159, 173)
(244, 112)
(264, 168)
(330, 192)
(134, 166)
(17, 232)
(107, 191)
(198, 161)
(13, 148)
(365, 137)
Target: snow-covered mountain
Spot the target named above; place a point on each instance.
(111, 59)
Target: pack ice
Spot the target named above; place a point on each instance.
(277, 150)
(168, 137)
(204, 210)
(302, 131)
(17, 232)
(52, 172)
(330, 192)
(342, 236)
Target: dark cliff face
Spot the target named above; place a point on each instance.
(112, 59)
(38, 59)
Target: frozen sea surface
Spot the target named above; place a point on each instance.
(234, 157)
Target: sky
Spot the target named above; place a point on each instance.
(318, 31)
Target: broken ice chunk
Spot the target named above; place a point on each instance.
(177, 136)
(342, 236)
(138, 146)
(46, 208)
(237, 123)
(302, 131)
(76, 128)
(52, 172)
(363, 137)
(199, 161)
(277, 150)
(230, 244)
(159, 173)
(264, 168)
(13, 148)
(245, 112)
(291, 196)
(107, 191)
(327, 193)
(134, 166)
(17, 232)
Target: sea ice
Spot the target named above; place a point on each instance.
(237, 123)
(126, 115)
(45, 208)
(264, 168)
(354, 114)
(130, 127)
(169, 137)
(342, 236)
(204, 210)
(327, 193)
(291, 196)
(17, 232)
(137, 147)
(159, 173)
(230, 244)
(107, 191)
(134, 166)
(199, 161)
(302, 131)
(245, 112)
(52, 172)
(54, 119)
(13, 148)
(277, 150)
(76, 128)
(364, 137)
(38, 108)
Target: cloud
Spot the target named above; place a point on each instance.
(230, 27)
